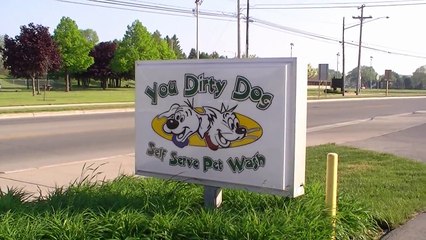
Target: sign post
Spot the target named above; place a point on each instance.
(322, 76)
(238, 123)
(387, 79)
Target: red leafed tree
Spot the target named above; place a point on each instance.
(31, 54)
(101, 68)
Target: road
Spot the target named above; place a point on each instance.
(36, 142)
(330, 112)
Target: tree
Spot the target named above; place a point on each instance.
(175, 45)
(419, 78)
(31, 54)
(367, 74)
(192, 54)
(137, 44)
(312, 72)
(215, 55)
(2, 68)
(163, 48)
(103, 54)
(203, 55)
(90, 35)
(73, 47)
(407, 83)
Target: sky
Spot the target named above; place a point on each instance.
(306, 31)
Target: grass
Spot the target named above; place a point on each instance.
(18, 95)
(393, 187)
(375, 190)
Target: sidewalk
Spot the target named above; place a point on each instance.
(45, 179)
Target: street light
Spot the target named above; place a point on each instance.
(291, 49)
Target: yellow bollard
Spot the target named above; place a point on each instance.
(331, 188)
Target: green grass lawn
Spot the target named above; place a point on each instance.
(15, 93)
(375, 190)
(25, 98)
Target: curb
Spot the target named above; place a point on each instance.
(63, 113)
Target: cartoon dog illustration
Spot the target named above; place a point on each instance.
(183, 121)
(223, 128)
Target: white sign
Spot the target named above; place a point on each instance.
(224, 123)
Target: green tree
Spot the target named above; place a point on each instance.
(137, 44)
(175, 45)
(419, 78)
(2, 69)
(407, 83)
(192, 54)
(162, 46)
(312, 72)
(215, 55)
(367, 74)
(73, 47)
(91, 36)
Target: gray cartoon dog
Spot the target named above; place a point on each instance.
(217, 127)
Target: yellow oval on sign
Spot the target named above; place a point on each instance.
(253, 130)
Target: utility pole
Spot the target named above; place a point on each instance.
(197, 4)
(343, 58)
(371, 67)
(247, 31)
(359, 47)
(238, 29)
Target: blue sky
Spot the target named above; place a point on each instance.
(401, 34)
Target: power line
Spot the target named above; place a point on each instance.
(131, 6)
(335, 5)
(140, 6)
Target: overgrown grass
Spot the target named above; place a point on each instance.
(131, 208)
(373, 189)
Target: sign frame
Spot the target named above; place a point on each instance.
(293, 84)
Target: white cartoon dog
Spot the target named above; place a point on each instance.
(223, 128)
(183, 121)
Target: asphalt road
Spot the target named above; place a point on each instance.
(324, 113)
(36, 142)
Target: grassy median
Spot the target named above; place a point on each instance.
(376, 191)
(15, 93)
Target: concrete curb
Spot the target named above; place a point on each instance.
(63, 113)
